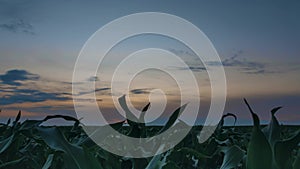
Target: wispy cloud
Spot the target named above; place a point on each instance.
(96, 90)
(190, 58)
(18, 25)
(243, 64)
(237, 61)
(140, 91)
(249, 67)
(15, 77)
(181, 52)
(30, 95)
(193, 68)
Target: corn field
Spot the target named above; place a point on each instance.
(30, 145)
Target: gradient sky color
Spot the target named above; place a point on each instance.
(258, 43)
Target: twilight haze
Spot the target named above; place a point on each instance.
(258, 44)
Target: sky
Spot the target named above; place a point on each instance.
(258, 43)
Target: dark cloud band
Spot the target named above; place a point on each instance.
(15, 77)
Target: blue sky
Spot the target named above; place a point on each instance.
(258, 43)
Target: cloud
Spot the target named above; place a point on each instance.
(140, 91)
(197, 68)
(15, 90)
(248, 67)
(93, 79)
(96, 90)
(181, 52)
(193, 68)
(14, 77)
(243, 64)
(30, 95)
(18, 25)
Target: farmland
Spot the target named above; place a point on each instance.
(29, 144)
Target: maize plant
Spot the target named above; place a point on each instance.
(31, 145)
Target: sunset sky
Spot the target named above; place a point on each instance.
(258, 43)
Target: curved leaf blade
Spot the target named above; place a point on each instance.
(173, 118)
(131, 118)
(48, 162)
(259, 152)
(233, 156)
(74, 155)
(272, 131)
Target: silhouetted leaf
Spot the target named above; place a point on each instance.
(68, 118)
(8, 122)
(259, 152)
(74, 156)
(283, 151)
(4, 144)
(129, 115)
(272, 131)
(17, 119)
(221, 123)
(48, 162)
(142, 116)
(173, 118)
(232, 157)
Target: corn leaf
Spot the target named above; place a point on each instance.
(272, 131)
(233, 156)
(74, 156)
(283, 151)
(259, 152)
(48, 162)
(296, 164)
(5, 144)
(144, 110)
(158, 161)
(173, 118)
(131, 118)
